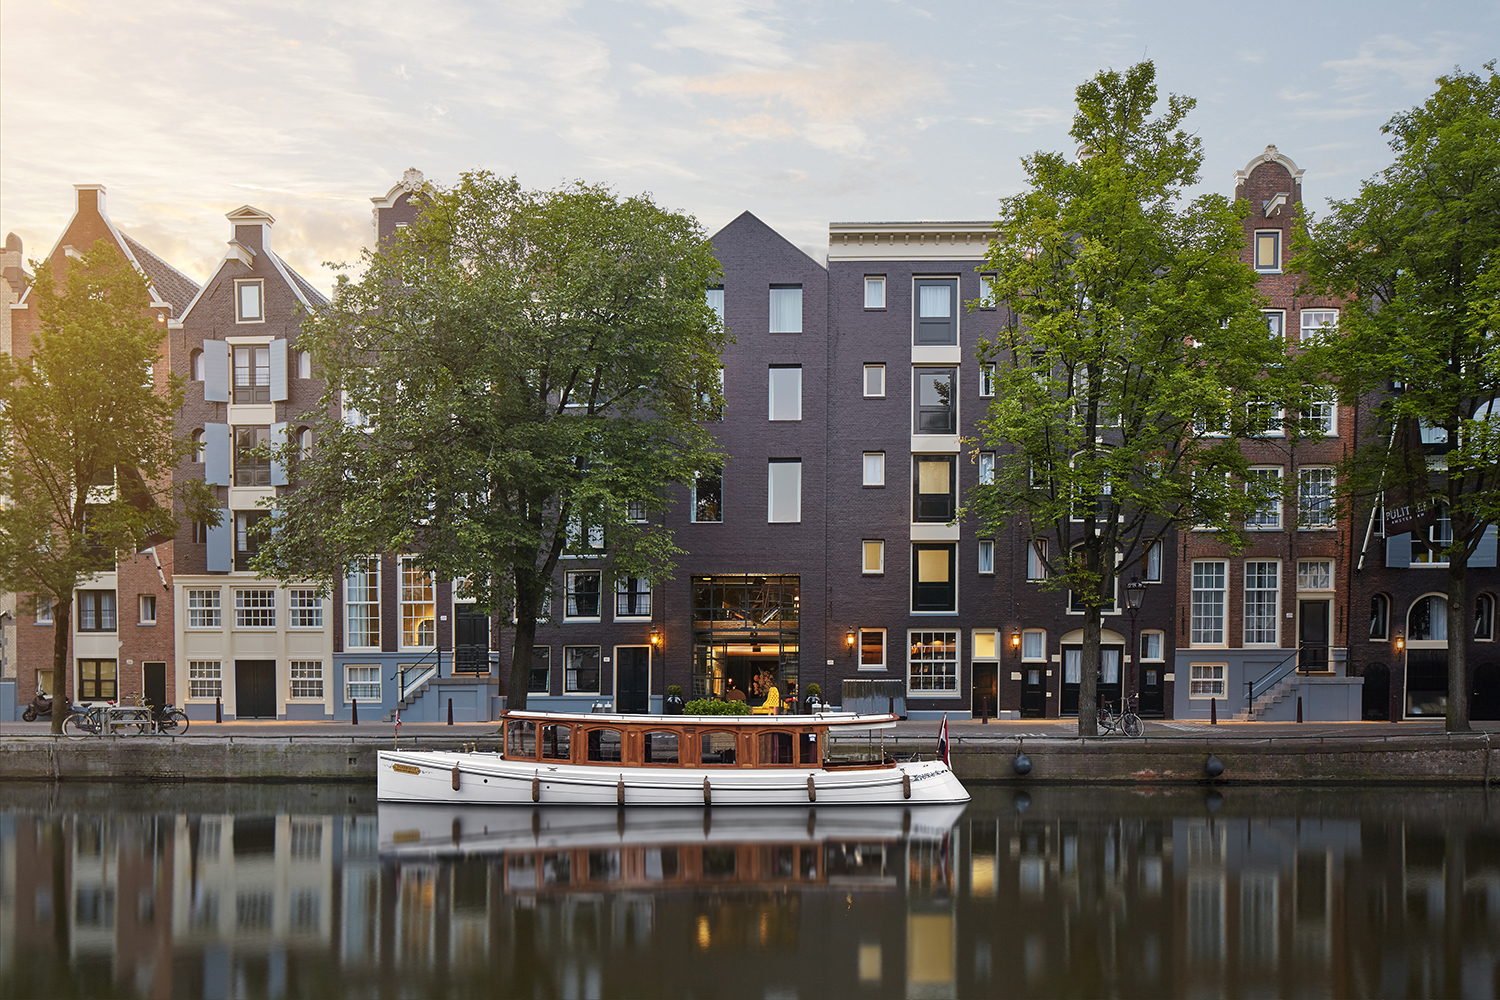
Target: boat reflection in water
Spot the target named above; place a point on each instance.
(565, 849)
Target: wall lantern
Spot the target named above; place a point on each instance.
(655, 636)
(849, 642)
(1015, 640)
(1400, 642)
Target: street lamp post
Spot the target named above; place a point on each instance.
(1135, 593)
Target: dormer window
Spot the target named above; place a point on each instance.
(249, 305)
(1268, 250)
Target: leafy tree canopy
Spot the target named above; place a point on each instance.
(1418, 255)
(518, 372)
(89, 439)
(1134, 357)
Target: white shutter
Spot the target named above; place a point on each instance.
(278, 370)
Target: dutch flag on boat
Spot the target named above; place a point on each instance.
(942, 750)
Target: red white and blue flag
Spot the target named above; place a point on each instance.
(398, 720)
(943, 740)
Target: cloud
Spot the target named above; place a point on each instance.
(1414, 64)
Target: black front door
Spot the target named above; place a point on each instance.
(255, 689)
(471, 643)
(633, 679)
(986, 688)
(1033, 695)
(1109, 677)
(1152, 693)
(154, 684)
(1312, 635)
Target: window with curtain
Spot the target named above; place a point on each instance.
(786, 308)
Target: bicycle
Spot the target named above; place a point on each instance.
(166, 720)
(1127, 722)
(81, 723)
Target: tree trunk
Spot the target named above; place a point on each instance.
(1458, 674)
(62, 625)
(1088, 672)
(520, 657)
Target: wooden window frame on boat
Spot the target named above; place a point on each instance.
(747, 743)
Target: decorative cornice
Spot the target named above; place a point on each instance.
(1270, 155)
(906, 240)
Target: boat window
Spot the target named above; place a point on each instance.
(520, 872)
(661, 748)
(807, 748)
(604, 866)
(557, 742)
(779, 862)
(719, 862)
(604, 745)
(520, 739)
(557, 869)
(775, 748)
(662, 863)
(718, 748)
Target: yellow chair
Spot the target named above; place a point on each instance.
(772, 705)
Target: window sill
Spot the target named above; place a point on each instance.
(633, 618)
(151, 624)
(582, 621)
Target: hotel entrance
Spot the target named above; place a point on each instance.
(746, 638)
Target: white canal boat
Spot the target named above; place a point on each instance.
(553, 758)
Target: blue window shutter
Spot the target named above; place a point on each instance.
(278, 440)
(1484, 555)
(215, 371)
(1398, 550)
(278, 370)
(221, 544)
(216, 454)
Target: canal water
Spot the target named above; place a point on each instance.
(314, 891)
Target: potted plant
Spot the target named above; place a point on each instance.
(673, 703)
(814, 699)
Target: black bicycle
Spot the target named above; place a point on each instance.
(1126, 722)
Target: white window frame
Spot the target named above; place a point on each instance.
(1275, 324)
(308, 675)
(643, 593)
(784, 393)
(367, 682)
(205, 608)
(1208, 680)
(935, 685)
(304, 609)
(785, 290)
(1327, 519)
(975, 636)
(1268, 518)
(410, 609)
(866, 547)
(987, 291)
(873, 471)
(43, 611)
(1274, 591)
(1040, 654)
(986, 557)
(1323, 322)
(715, 302)
(1036, 560)
(251, 607)
(986, 468)
(987, 380)
(875, 283)
(1151, 564)
(205, 680)
(1324, 410)
(569, 591)
(1204, 635)
(1325, 579)
(787, 474)
(146, 609)
(1161, 645)
(304, 364)
(860, 649)
(241, 286)
(868, 371)
(368, 566)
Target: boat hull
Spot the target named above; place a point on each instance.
(429, 776)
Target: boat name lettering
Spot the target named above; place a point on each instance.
(406, 769)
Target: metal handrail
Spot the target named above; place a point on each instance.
(1276, 673)
(402, 671)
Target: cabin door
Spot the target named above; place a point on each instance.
(633, 679)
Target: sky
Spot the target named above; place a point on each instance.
(803, 113)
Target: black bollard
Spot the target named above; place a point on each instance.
(218, 710)
(354, 710)
(450, 711)
(1299, 708)
(1213, 711)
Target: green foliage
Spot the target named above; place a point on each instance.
(89, 438)
(674, 690)
(713, 706)
(529, 366)
(1418, 254)
(1135, 353)
(814, 691)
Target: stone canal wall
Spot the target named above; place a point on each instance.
(1429, 759)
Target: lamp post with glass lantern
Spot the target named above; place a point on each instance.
(1135, 593)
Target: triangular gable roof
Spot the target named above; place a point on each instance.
(309, 296)
(127, 247)
(748, 219)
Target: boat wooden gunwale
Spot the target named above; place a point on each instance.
(599, 759)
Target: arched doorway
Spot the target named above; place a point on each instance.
(1426, 694)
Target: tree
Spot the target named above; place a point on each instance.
(89, 440)
(1133, 357)
(520, 371)
(1418, 254)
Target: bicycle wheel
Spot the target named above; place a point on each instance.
(75, 727)
(1106, 722)
(173, 723)
(1132, 725)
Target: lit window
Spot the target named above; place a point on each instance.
(872, 649)
(98, 680)
(418, 606)
(874, 381)
(874, 468)
(786, 308)
(933, 587)
(933, 662)
(1268, 250)
(934, 488)
(874, 555)
(874, 292)
(307, 678)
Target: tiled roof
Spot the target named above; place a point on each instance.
(171, 284)
(314, 296)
